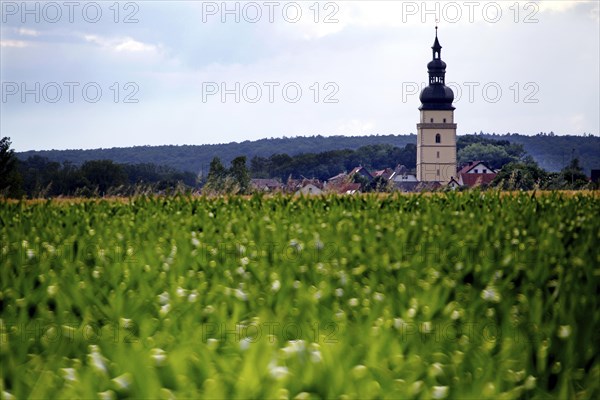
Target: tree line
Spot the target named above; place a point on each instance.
(38, 176)
(528, 175)
(326, 164)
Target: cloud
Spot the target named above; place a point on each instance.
(122, 44)
(28, 32)
(129, 44)
(14, 43)
(355, 127)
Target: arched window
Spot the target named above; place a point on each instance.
(438, 138)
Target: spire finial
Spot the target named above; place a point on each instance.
(436, 28)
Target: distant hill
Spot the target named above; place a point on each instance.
(553, 152)
(550, 151)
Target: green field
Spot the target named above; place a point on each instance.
(474, 295)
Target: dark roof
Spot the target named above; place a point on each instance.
(436, 43)
(401, 169)
(453, 179)
(472, 164)
(436, 96)
(361, 170)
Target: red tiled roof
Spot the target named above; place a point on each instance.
(386, 173)
(352, 187)
(346, 187)
(477, 179)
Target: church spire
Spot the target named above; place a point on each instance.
(437, 96)
(437, 48)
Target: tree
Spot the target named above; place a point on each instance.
(215, 181)
(494, 156)
(38, 174)
(259, 167)
(10, 179)
(381, 184)
(365, 183)
(104, 174)
(526, 175)
(239, 174)
(573, 176)
(496, 153)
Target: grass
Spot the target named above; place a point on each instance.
(473, 295)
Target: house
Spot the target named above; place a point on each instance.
(310, 187)
(349, 177)
(402, 174)
(266, 185)
(340, 182)
(453, 184)
(348, 188)
(309, 190)
(476, 173)
(361, 171)
(387, 174)
(405, 178)
(338, 179)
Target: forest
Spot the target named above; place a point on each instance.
(550, 151)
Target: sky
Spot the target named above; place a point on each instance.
(82, 75)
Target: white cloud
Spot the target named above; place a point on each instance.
(355, 127)
(134, 46)
(14, 43)
(28, 32)
(122, 44)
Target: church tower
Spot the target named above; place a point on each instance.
(436, 132)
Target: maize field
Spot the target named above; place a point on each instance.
(456, 295)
